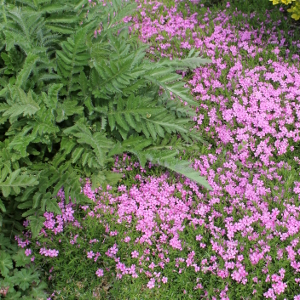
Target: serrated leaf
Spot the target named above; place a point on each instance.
(25, 277)
(36, 224)
(24, 104)
(98, 179)
(112, 178)
(39, 292)
(15, 180)
(183, 168)
(52, 206)
(5, 263)
(29, 212)
(20, 143)
(5, 243)
(76, 154)
(29, 64)
(36, 199)
(21, 259)
(26, 204)
(2, 206)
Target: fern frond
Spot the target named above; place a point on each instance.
(97, 141)
(103, 178)
(21, 28)
(21, 104)
(61, 29)
(20, 143)
(44, 123)
(183, 168)
(192, 61)
(144, 116)
(71, 59)
(15, 181)
(137, 142)
(117, 66)
(122, 10)
(28, 66)
(52, 99)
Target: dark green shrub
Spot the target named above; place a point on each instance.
(72, 97)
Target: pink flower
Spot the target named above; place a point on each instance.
(127, 239)
(100, 273)
(90, 254)
(164, 280)
(49, 252)
(151, 283)
(28, 252)
(134, 254)
(279, 287)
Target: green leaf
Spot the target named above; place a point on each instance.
(98, 179)
(183, 168)
(25, 277)
(5, 263)
(5, 243)
(36, 199)
(21, 259)
(53, 91)
(36, 224)
(26, 204)
(52, 206)
(28, 66)
(98, 141)
(192, 61)
(38, 292)
(20, 143)
(77, 154)
(17, 181)
(2, 206)
(113, 178)
(24, 104)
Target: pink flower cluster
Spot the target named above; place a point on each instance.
(249, 223)
(49, 252)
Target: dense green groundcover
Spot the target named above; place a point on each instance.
(78, 88)
(75, 91)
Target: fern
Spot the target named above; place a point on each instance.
(21, 28)
(71, 60)
(15, 181)
(20, 104)
(70, 100)
(165, 157)
(97, 141)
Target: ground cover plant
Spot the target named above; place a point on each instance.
(76, 90)
(161, 236)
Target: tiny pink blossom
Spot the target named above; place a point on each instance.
(151, 283)
(28, 252)
(135, 254)
(100, 273)
(90, 254)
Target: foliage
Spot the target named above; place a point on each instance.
(71, 97)
(102, 231)
(20, 278)
(239, 241)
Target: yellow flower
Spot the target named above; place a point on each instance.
(275, 2)
(296, 16)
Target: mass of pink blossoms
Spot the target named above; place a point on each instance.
(245, 232)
